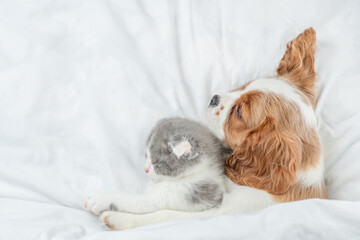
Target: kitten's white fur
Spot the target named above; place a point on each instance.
(237, 199)
(139, 210)
(167, 194)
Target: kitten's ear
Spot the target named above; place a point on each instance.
(182, 148)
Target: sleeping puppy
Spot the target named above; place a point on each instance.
(270, 125)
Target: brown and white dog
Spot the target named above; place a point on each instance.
(270, 125)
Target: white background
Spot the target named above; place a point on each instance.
(82, 82)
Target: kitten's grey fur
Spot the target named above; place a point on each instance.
(169, 132)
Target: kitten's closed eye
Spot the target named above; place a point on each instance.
(164, 169)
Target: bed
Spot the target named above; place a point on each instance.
(82, 83)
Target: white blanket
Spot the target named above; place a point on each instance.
(82, 83)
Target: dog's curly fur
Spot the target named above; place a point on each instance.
(297, 64)
(269, 155)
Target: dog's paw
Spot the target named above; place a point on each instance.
(98, 202)
(117, 221)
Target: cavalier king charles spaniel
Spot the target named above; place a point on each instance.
(270, 125)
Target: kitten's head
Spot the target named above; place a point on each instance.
(176, 144)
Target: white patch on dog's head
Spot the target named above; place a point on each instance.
(217, 115)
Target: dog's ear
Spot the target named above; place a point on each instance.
(266, 159)
(297, 64)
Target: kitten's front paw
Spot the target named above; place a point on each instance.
(98, 202)
(117, 220)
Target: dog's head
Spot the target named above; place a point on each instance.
(272, 119)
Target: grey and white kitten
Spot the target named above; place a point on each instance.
(185, 151)
(186, 163)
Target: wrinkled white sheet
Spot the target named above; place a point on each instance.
(82, 83)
